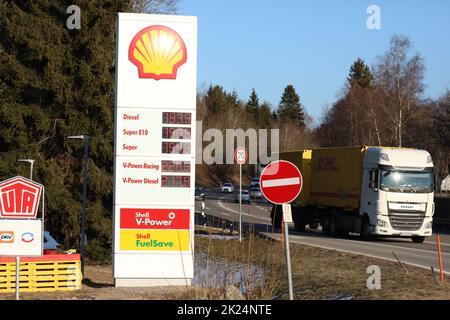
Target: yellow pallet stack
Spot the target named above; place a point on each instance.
(46, 273)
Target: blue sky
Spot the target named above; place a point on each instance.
(245, 44)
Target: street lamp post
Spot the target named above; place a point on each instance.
(83, 219)
(31, 162)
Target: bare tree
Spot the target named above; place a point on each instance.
(401, 79)
(155, 6)
(442, 120)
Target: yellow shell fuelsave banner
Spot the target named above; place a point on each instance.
(154, 240)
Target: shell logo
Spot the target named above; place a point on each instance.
(158, 52)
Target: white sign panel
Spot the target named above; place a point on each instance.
(20, 237)
(154, 172)
(287, 212)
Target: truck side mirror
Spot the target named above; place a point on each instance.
(371, 179)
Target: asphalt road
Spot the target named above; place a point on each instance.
(422, 255)
(223, 205)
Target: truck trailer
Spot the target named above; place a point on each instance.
(373, 191)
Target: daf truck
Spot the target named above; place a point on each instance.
(373, 191)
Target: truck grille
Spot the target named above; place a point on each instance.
(406, 221)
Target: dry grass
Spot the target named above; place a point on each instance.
(320, 274)
(252, 265)
(317, 274)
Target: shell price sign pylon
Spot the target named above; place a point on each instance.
(154, 182)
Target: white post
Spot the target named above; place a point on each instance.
(43, 221)
(288, 261)
(287, 217)
(17, 277)
(240, 202)
(31, 170)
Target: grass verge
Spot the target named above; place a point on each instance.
(256, 267)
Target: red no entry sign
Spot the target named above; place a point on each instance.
(281, 182)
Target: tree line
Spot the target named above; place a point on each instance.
(384, 106)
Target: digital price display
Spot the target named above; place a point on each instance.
(176, 133)
(176, 118)
(175, 181)
(176, 147)
(175, 166)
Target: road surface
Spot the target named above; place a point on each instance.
(421, 255)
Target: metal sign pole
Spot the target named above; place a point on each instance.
(287, 217)
(43, 221)
(240, 202)
(288, 260)
(83, 218)
(17, 277)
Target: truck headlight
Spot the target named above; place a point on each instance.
(382, 223)
(429, 225)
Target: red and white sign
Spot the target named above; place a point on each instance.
(168, 219)
(19, 198)
(240, 155)
(281, 182)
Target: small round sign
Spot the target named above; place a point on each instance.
(240, 155)
(281, 182)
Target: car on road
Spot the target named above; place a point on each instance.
(255, 182)
(245, 197)
(200, 193)
(228, 187)
(255, 192)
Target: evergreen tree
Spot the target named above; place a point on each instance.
(290, 108)
(360, 74)
(233, 100)
(274, 115)
(264, 116)
(216, 99)
(252, 105)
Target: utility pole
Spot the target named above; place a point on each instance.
(85, 183)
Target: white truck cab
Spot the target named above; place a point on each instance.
(397, 192)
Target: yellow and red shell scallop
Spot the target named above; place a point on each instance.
(158, 52)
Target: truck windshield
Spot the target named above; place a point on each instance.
(406, 181)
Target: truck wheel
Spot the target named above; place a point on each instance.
(325, 225)
(333, 228)
(365, 234)
(299, 225)
(418, 239)
(314, 225)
